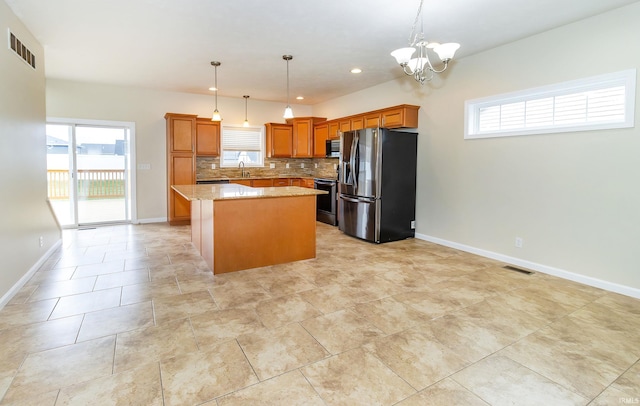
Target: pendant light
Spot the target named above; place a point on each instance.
(288, 113)
(246, 120)
(216, 113)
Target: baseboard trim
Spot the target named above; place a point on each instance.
(587, 280)
(25, 278)
(152, 220)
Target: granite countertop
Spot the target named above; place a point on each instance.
(230, 191)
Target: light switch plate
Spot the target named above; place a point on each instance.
(272, 165)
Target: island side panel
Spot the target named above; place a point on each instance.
(196, 225)
(252, 233)
(206, 231)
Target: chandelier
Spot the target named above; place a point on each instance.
(420, 66)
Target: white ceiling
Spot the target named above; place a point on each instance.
(169, 44)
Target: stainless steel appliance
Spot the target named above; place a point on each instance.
(333, 148)
(377, 184)
(326, 204)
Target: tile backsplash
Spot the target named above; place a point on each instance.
(326, 168)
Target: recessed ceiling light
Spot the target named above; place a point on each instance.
(300, 98)
(356, 70)
(213, 89)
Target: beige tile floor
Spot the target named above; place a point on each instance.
(130, 315)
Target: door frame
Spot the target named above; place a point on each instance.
(129, 125)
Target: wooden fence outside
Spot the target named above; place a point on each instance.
(92, 184)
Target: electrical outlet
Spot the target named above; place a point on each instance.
(335, 166)
(316, 166)
(413, 224)
(519, 242)
(41, 241)
(286, 165)
(302, 165)
(213, 166)
(272, 165)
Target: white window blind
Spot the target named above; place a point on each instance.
(242, 144)
(600, 102)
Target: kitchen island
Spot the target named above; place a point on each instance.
(236, 227)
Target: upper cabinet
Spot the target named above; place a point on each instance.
(181, 132)
(207, 137)
(279, 140)
(303, 135)
(334, 129)
(400, 116)
(372, 120)
(320, 137)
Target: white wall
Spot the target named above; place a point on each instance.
(147, 108)
(23, 173)
(574, 197)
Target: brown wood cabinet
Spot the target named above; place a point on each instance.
(303, 135)
(372, 120)
(207, 137)
(295, 182)
(281, 182)
(345, 125)
(181, 164)
(320, 136)
(307, 183)
(357, 123)
(279, 140)
(262, 182)
(334, 130)
(401, 116)
(245, 182)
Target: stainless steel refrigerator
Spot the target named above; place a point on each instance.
(377, 184)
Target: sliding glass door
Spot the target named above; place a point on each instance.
(89, 176)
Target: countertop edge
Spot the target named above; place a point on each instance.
(214, 192)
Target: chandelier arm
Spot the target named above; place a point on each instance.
(446, 64)
(408, 72)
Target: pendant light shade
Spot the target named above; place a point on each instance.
(216, 114)
(246, 120)
(288, 113)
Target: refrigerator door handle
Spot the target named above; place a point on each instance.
(356, 200)
(354, 153)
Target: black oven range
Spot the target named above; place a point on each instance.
(326, 204)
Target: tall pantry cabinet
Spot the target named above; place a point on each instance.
(181, 164)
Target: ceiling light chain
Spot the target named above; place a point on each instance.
(420, 67)
(216, 114)
(288, 113)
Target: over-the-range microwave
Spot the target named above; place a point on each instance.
(333, 148)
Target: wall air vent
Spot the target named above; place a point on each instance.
(21, 50)
(516, 269)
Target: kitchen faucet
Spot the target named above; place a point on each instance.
(241, 163)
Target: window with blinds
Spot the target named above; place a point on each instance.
(242, 144)
(600, 102)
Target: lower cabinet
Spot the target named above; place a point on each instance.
(262, 182)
